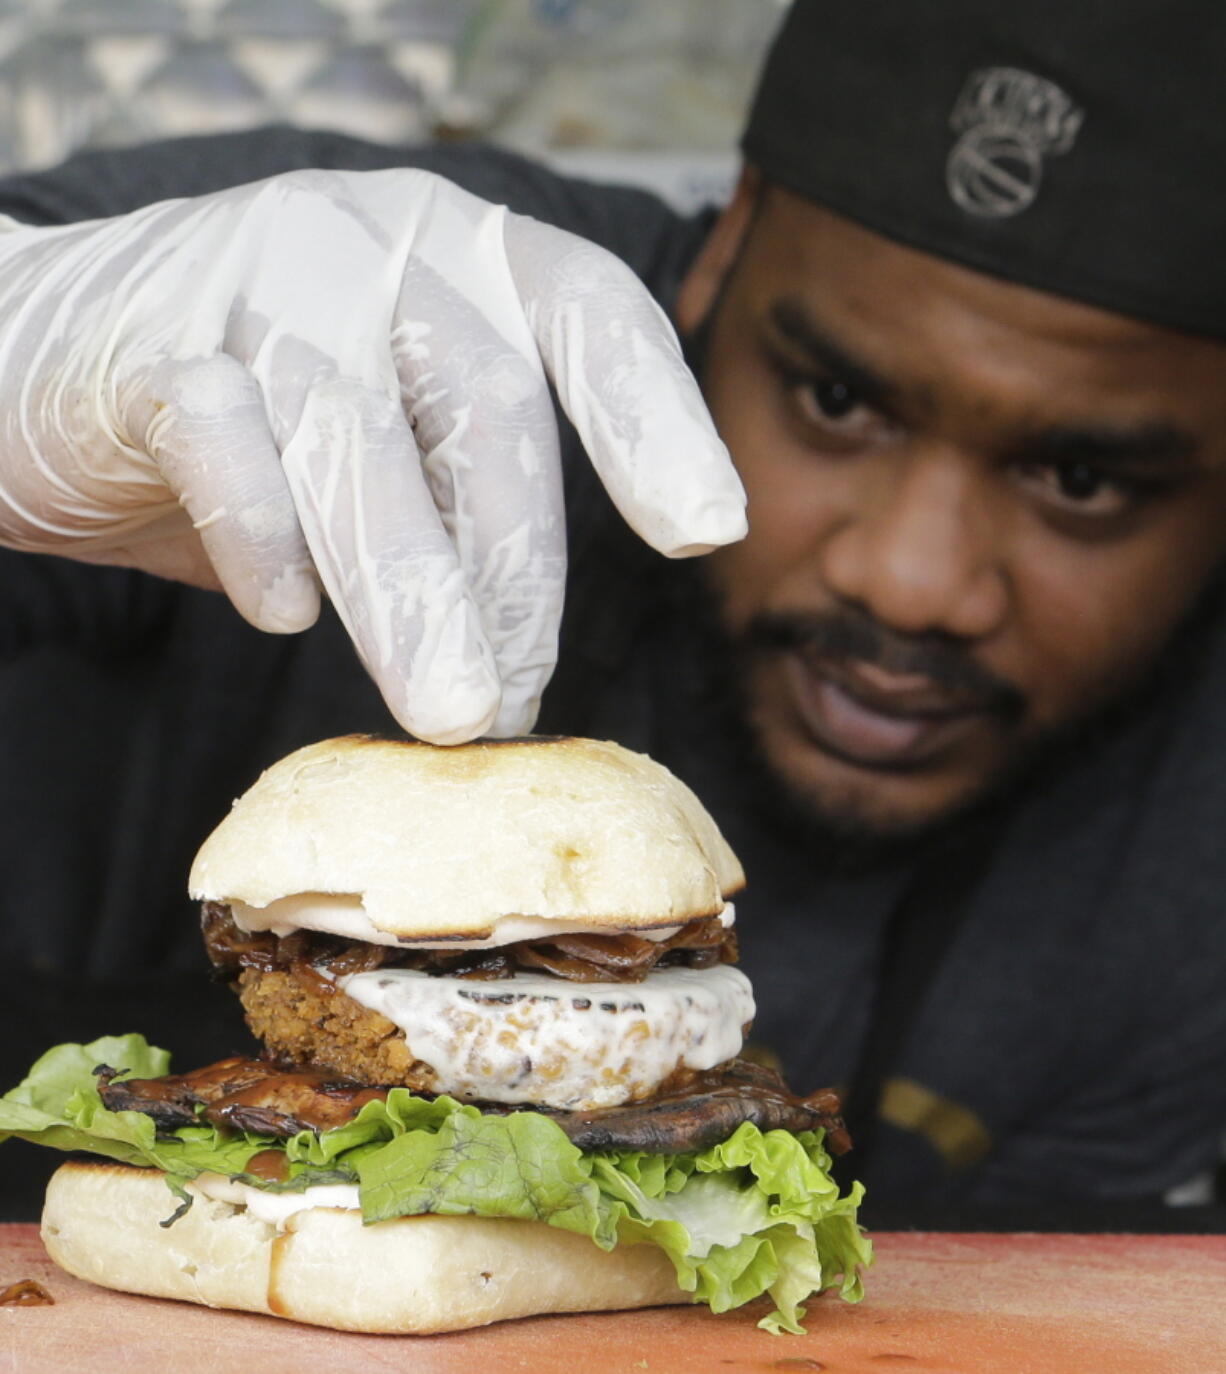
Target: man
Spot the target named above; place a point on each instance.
(956, 698)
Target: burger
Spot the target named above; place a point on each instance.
(501, 1074)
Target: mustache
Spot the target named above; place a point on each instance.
(851, 634)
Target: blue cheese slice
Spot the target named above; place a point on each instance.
(574, 1046)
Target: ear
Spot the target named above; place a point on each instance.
(714, 261)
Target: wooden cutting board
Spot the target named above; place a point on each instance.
(959, 1304)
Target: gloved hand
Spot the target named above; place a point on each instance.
(340, 379)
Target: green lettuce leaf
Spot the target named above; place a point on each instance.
(757, 1213)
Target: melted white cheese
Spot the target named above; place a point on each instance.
(335, 914)
(537, 1038)
(276, 1208)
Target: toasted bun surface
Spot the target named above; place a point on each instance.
(415, 1275)
(445, 842)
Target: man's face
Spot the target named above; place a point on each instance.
(977, 511)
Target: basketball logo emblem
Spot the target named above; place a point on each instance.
(1008, 121)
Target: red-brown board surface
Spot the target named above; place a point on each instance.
(970, 1304)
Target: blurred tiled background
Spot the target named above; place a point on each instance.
(649, 90)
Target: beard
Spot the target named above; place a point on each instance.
(716, 703)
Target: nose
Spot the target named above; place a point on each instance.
(919, 547)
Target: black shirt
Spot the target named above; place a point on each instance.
(1072, 1043)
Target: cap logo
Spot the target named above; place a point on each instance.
(1008, 121)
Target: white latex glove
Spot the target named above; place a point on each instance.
(340, 379)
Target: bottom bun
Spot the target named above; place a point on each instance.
(413, 1275)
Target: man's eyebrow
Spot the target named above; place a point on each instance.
(795, 324)
(1157, 443)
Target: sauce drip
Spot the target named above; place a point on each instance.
(26, 1293)
(272, 1165)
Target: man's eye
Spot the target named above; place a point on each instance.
(1083, 488)
(1079, 481)
(826, 414)
(833, 406)
(834, 400)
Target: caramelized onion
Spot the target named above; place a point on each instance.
(579, 958)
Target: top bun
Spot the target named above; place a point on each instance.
(446, 842)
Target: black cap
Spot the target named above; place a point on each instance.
(1077, 146)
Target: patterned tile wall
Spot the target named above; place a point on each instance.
(636, 75)
(78, 73)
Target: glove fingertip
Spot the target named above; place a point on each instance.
(452, 717)
(703, 536)
(515, 718)
(287, 605)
